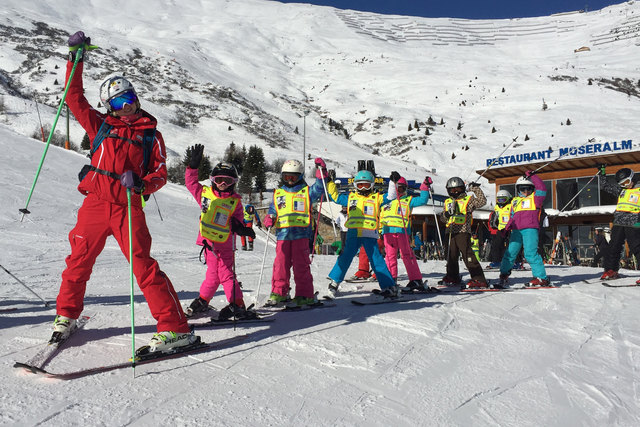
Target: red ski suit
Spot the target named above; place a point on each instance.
(104, 211)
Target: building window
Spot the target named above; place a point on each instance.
(576, 193)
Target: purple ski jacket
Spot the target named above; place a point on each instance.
(528, 218)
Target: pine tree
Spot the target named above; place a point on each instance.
(86, 142)
(235, 157)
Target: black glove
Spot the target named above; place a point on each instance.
(395, 176)
(260, 225)
(332, 175)
(602, 169)
(196, 156)
(239, 228)
(446, 214)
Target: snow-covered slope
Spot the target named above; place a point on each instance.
(556, 357)
(257, 66)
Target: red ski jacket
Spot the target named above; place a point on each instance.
(122, 150)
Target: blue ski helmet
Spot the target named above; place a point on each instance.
(363, 181)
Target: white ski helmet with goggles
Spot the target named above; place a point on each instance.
(114, 87)
(292, 166)
(524, 183)
(624, 177)
(503, 197)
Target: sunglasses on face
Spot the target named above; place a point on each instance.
(502, 200)
(120, 101)
(224, 180)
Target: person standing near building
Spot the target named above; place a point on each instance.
(600, 245)
(117, 167)
(395, 219)
(626, 219)
(524, 226)
(340, 221)
(457, 215)
(250, 215)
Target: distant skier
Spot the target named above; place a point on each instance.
(340, 221)
(117, 164)
(524, 226)
(396, 229)
(626, 219)
(458, 216)
(290, 213)
(250, 216)
(221, 216)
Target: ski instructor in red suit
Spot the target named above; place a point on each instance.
(117, 164)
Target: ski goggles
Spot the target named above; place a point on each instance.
(118, 103)
(364, 185)
(502, 200)
(223, 180)
(626, 181)
(526, 188)
(293, 177)
(456, 191)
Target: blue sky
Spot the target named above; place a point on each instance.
(471, 9)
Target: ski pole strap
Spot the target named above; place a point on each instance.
(104, 172)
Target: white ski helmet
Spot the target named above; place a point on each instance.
(112, 87)
(524, 183)
(503, 197)
(292, 166)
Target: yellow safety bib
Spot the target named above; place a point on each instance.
(215, 218)
(363, 211)
(461, 216)
(396, 213)
(629, 200)
(293, 209)
(504, 214)
(523, 204)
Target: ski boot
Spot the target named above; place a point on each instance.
(503, 282)
(244, 247)
(493, 266)
(332, 290)
(476, 284)
(62, 328)
(277, 300)
(392, 292)
(165, 341)
(301, 302)
(250, 248)
(415, 285)
(610, 275)
(538, 282)
(236, 312)
(198, 305)
(448, 281)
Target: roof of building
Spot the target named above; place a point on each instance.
(618, 159)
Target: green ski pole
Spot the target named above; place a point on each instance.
(25, 210)
(133, 326)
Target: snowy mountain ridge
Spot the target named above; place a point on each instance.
(249, 70)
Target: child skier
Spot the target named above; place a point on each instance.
(497, 222)
(626, 219)
(250, 215)
(458, 217)
(524, 226)
(117, 165)
(220, 218)
(363, 221)
(290, 212)
(396, 229)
